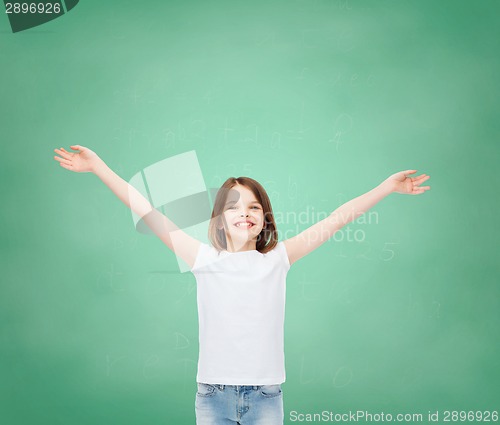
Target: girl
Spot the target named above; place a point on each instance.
(240, 285)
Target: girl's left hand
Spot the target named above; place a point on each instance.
(403, 183)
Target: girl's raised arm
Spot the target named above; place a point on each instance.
(87, 161)
(311, 238)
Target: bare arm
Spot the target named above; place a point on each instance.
(127, 193)
(311, 238)
(87, 161)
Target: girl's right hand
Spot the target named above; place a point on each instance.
(84, 161)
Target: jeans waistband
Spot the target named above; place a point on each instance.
(237, 387)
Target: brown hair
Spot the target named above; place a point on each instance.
(267, 238)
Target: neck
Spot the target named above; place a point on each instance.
(241, 246)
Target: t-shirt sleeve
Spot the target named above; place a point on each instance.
(204, 252)
(283, 255)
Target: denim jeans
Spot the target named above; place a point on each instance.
(218, 404)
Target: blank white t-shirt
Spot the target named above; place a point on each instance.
(241, 313)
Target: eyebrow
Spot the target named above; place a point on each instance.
(234, 202)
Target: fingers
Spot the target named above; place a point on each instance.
(77, 147)
(63, 153)
(417, 181)
(418, 190)
(63, 161)
(420, 179)
(68, 167)
(409, 172)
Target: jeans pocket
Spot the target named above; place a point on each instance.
(205, 390)
(270, 391)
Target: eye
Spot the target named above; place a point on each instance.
(257, 208)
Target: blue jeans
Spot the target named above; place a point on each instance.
(218, 404)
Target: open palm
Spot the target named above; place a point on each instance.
(403, 183)
(80, 162)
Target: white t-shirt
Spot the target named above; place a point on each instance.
(241, 313)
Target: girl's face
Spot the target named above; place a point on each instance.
(244, 216)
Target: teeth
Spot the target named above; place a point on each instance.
(244, 224)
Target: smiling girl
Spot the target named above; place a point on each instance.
(241, 285)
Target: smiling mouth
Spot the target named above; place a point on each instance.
(244, 225)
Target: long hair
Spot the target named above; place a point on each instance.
(267, 238)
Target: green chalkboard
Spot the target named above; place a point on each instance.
(319, 101)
